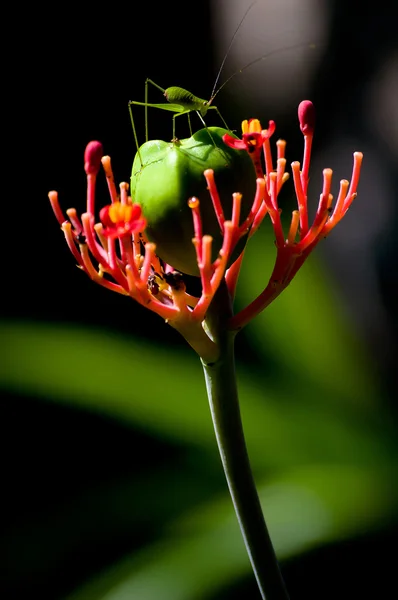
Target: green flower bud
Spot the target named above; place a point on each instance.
(172, 172)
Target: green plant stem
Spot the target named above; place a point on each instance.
(224, 406)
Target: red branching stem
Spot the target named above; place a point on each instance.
(91, 181)
(205, 265)
(106, 163)
(128, 254)
(225, 253)
(263, 210)
(215, 198)
(74, 219)
(194, 205)
(256, 159)
(338, 209)
(322, 213)
(96, 250)
(232, 275)
(306, 162)
(112, 258)
(301, 198)
(327, 182)
(293, 227)
(95, 276)
(137, 289)
(136, 245)
(122, 250)
(98, 228)
(281, 149)
(70, 240)
(346, 195)
(131, 281)
(124, 198)
(53, 196)
(315, 229)
(280, 171)
(284, 261)
(273, 190)
(325, 200)
(268, 158)
(252, 221)
(258, 200)
(281, 164)
(356, 171)
(148, 260)
(211, 282)
(236, 206)
(274, 211)
(291, 254)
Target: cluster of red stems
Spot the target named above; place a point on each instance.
(116, 253)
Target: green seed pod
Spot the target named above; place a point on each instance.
(171, 174)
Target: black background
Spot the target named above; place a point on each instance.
(69, 73)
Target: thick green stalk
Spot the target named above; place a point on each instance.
(224, 406)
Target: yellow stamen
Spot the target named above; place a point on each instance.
(254, 126)
(119, 212)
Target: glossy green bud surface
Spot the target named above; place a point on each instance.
(171, 174)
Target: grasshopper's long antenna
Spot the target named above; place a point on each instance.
(229, 48)
(263, 57)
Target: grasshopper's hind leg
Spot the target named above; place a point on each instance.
(220, 116)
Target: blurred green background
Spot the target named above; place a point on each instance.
(112, 484)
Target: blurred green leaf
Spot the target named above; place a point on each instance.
(131, 380)
(203, 550)
(326, 472)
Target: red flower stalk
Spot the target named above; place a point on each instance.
(293, 249)
(116, 253)
(131, 266)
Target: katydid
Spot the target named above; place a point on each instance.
(183, 102)
(180, 102)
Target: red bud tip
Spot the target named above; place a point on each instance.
(92, 158)
(306, 115)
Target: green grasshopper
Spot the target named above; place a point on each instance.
(183, 102)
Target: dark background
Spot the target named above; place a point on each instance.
(72, 71)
